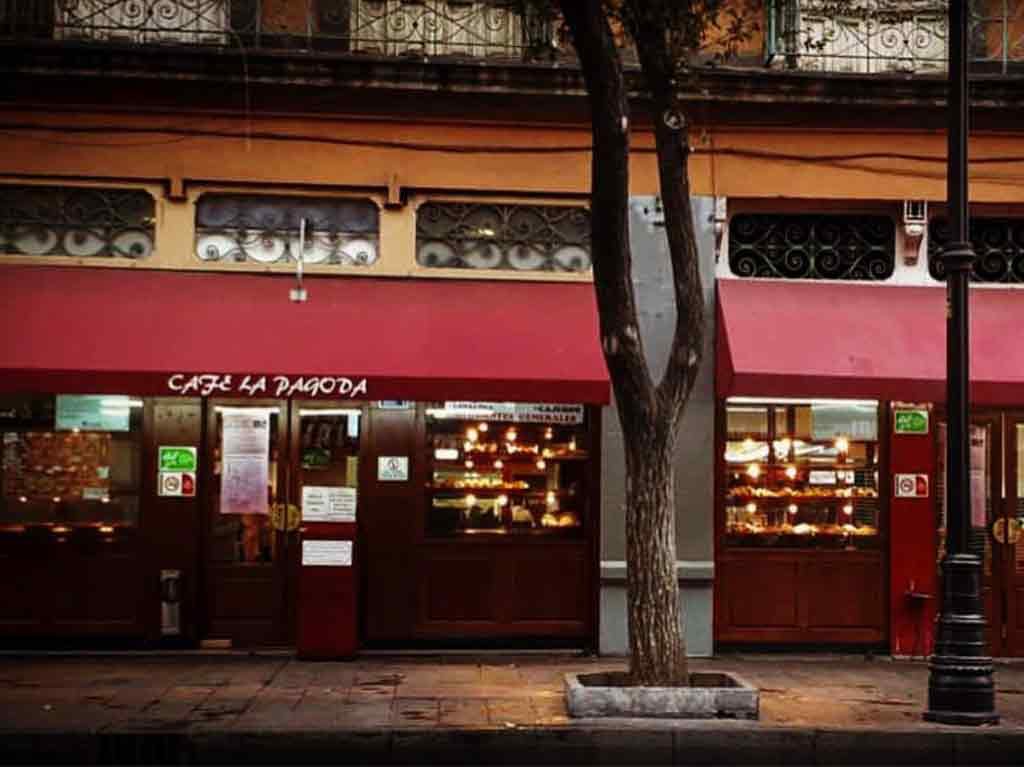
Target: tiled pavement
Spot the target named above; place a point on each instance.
(194, 700)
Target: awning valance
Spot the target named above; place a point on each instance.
(104, 330)
(805, 339)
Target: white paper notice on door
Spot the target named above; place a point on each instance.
(245, 464)
(327, 553)
(328, 504)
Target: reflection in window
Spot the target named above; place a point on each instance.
(512, 237)
(80, 222)
(268, 230)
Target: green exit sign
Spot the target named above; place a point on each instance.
(911, 421)
(178, 459)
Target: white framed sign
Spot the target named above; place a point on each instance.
(328, 504)
(911, 485)
(393, 468)
(327, 553)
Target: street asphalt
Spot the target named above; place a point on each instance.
(237, 708)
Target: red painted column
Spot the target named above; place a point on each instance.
(913, 578)
(328, 609)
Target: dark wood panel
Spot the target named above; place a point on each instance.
(244, 593)
(389, 520)
(100, 590)
(843, 594)
(172, 526)
(23, 609)
(760, 595)
(459, 588)
(547, 585)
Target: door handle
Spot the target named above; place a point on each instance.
(1013, 531)
(999, 530)
(285, 517)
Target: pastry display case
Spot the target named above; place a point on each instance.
(802, 476)
(58, 479)
(506, 470)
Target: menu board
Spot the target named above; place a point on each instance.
(93, 412)
(56, 465)
(246, 463)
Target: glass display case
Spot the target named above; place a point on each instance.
(802, 475)
(506, 469)
(70, 464)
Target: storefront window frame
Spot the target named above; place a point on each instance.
(879, 541)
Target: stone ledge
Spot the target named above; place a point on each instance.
(712, 695)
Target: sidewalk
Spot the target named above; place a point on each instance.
(235, 708)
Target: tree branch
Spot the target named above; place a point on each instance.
(659, 64)
(601, 65)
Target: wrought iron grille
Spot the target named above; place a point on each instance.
(816, 247)
(474, 28)
(998, 244)
(492, 236)
(875, 36)
(79, 222)
(267, 230)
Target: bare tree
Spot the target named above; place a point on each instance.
(666, 36)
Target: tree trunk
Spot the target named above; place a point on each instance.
(657, 645)
(649, 414)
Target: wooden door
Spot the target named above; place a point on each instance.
(251, 542)
(1009, 540)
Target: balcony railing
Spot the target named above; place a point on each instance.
(890, 36)
(492, 29)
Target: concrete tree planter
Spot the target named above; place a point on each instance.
(712, 695)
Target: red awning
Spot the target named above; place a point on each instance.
(801, 339)
(129, 331)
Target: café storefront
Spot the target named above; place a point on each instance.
(830, 480)
(169, 438)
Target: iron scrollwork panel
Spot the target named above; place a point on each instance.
(512, 237)
(817, 247)
(164, 21)
(998, 247)
(267, 229)
(77, 222)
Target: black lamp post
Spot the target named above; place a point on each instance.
(961, 689)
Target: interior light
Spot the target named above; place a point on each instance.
(503, 500)
(511, 435)
(23, 499)
(469, 463)
(792, 509)
(467, 446)
(748, 444)
(499, 464)
(105, 499)
(751, 507)
(791, 472)
(785, 444)
(472, 435)
(471, 500)
(843, 444)
(120, 402)
(56, 499)
(572, 445)
(753, 471)
(107, 529)
(541, 464)
(483, 427)
(549, 433)
(550, 498)
(61, 529)
(446, 454)
(848, 509)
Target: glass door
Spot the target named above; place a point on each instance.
(986, 484)
(1009, 539)
(251, 526)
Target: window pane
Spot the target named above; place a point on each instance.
(76, 222)
(504, 469)
(511, 237)
(804, 490)
(821, 247)
(998, 244)
(268, 230)
(68, 478)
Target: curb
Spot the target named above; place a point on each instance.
(694, 744)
